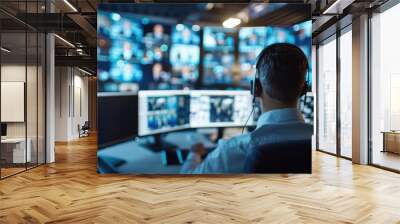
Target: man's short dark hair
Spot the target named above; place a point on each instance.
(281, 69)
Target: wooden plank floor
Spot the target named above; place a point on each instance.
(70, 191)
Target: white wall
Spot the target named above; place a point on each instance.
(71, 102)
(16, 73)
(61, 103)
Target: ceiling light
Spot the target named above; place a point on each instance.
(5, 50)
(337, 7)
(70, 5)
(209, 6)
(65, 41)
(84, 71)
(231, 22)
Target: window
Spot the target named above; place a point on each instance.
(327, 96)
(385, 89)
(346, 93)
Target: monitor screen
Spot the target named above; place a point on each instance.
(185, 55)
(119, 52)
(220, 108)
(253, 39)
(251, 42)
(3, 129)
(163, 111)
(218, 39)
(218, 62)
(218, 68)
(137, 53)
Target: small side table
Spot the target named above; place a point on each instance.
(391, 141)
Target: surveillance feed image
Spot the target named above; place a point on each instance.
(138, 53)
(214, 108)
(167, 112)
(218, 45)
(185, 55)
(174, 93)
(119, 53)
(221, 108)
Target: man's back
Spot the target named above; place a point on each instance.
(280, 132)
(229, 156)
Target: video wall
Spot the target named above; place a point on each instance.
(138, 53)
(219, 59)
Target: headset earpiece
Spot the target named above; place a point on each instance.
(305, 89)
(257, 87)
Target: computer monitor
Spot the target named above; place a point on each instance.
(219, 57)
(220, 108)
(163, 111)
(135, 53)
(253, 39)
(3, 130)
(172, 110)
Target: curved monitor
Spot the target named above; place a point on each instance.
(163, 111)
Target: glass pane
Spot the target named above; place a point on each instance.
(13, 86)
(327, 97)
(385, 84)
(41, 99)
(32, 98)
(346, 94)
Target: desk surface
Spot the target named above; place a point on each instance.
(13, 140)
(138, 159)
(187, 139)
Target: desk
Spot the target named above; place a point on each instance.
(137, 159)
(13, 150)
(391, 141)
(187, 139)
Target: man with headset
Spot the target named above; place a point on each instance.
(279, 83)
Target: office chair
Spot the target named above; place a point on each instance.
(280, 157)
(84, 130)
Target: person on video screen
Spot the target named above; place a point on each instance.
(281, 81)
(187, 37)
(161, 78)
(158, 36)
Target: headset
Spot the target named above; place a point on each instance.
(255, 84)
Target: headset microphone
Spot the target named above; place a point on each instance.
(253, 93)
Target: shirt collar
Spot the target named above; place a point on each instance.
(285, 115)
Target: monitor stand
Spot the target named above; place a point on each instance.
(220, 133)
(170, 155)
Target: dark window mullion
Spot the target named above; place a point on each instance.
(338, 93)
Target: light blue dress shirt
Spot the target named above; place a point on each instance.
(230, 155)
